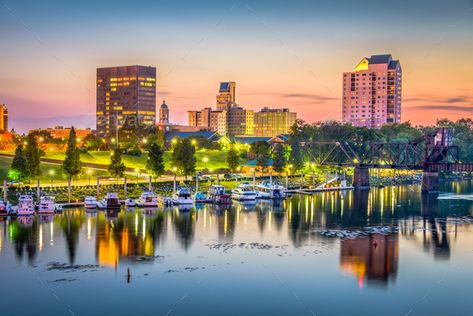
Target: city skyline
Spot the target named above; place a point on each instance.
(285, 57)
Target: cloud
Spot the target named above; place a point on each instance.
(457, 100)
(315, 98)
(444, 107)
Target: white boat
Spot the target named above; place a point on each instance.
(269, 190)
(130, 202)
(244, 192)
(25, 205)
(110, 201)
(3, 208)
(182, 197)
(90, 202)
(46, 205)
(218, 195)
(200, 197)
(147, 199)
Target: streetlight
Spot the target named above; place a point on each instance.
(145, 141)
(51, 175)
(205, 160)
(137, 174)
(89, 172)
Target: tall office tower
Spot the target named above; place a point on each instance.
(273, 122)
(372, 93)
(226, 96)
(3, 118)
(125, 96)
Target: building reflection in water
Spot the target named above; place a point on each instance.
(373, 259)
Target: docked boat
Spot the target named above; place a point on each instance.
(25, 205)
(147, 199)
(269, 190)
(90, 202)
(46, 205)
(244, 192)
(3, 208)
(110, 201)
(200, 197)
(130, 202)
(218, 195)
(182, 197)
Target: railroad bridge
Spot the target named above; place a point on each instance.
(431, 153)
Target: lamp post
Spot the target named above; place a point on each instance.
(174, 181)
(205, 160)
(51, 175)
(137, 175)
(89, 172)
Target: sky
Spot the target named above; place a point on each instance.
(280, 53)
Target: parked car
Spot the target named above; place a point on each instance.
(14, 183)
(227, 176)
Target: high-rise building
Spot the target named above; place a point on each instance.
(3, 118)
(372, 93)
(239, 121)
(273, 122)
(125, 95)
(205, 118)
(226, 96)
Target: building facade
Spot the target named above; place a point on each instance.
(372, 93)
(125, 95)
(3, 118)
(163, 122)
(61, 132)
(273, 122)
(226, 95)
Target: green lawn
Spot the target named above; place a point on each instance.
(216, 160)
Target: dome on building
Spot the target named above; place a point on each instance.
(164, 105)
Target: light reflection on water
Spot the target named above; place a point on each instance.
(268, 255)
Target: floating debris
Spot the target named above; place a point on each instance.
(57, 266)
(62, 280)
(352, 234)
(250, 246)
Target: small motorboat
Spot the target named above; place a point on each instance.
(270, 190)
(25, 205)
(200, 197)
(182, 197)
(110, 201)
(147, 199)
(3, 208)
(130, 202)
(218, 195)
(46, 205)
(90, 202)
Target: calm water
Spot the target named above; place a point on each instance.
(258, 259)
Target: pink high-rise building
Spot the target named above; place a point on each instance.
(372, 93)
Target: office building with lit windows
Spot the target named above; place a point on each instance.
(226, 96)
(125, 96)
(372, 93)
(273, 122)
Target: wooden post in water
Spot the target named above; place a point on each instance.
(150, 183)
(5, 190)
(287, 179)
(218, 179)
(38, 190)
(271, 177)
(196, 182)
(302, 180)
(236, 180)
(124, 187)
(98, 187)
(68, 189)
(254, 178)
(174, 184)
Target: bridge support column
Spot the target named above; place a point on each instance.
(361, 177)
(430, 182)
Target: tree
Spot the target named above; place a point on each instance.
(183, 157)
(279, 158)
(33, 157)
(295, 158)
(19, 168)
(261, 152)
(116, 168)
(155, 162)
(72, 164)
(233, 160)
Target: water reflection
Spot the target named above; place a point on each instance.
(138, 235)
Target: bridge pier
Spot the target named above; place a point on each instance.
(361, 177)
(430, 182)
